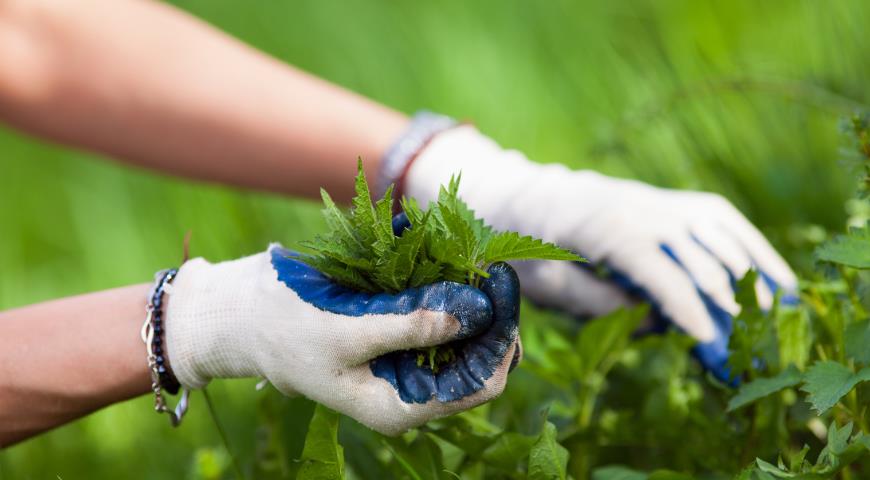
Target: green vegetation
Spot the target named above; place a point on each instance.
(446, 242)
(736, 97)
(801, 403)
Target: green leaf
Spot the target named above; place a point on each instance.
(602, 340)
(857, 340)
(338, 221)
(362, 214)
(840, 451)
(750, 328)
(762, 387)
(852, 250)
(383, 226)
(472, 435)
(547, 458)
(796, 463)
(446, 242)
(827, 382)
(322, 456)
(459, 230)
(509, 450)
(338, 251)
(396, 266)
(339, 272)
(421, 458)
(504, 246)
(772, 469)
(838, 439)
(425, 272)
(793, 336)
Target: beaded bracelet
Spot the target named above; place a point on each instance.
(423, 128)
(152, 335)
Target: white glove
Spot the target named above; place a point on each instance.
(270, 315)
(680, 250)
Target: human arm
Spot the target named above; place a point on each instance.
(143, 82)
(681, 251)
(267, 315)
(65, 358)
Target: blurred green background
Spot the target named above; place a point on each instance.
(738, 97)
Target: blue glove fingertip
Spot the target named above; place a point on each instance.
(400, 224)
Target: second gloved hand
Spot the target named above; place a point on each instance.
(679, 250)
(270, 315)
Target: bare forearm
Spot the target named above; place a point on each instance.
(144, 82)
(60, 360)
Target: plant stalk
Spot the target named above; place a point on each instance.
(223, 434)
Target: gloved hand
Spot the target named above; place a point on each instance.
(680, 250)
(270, 315)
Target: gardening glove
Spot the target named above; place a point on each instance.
(272, 316)
(679, 250)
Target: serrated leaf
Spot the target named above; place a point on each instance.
(504, 246)
(383, 228)
(458, 230)
(413, 211)
(827, 382)
(547, 458)
(322, 455)
(362, 214)
(397, 265)
(338, 221)
(425, 272)
(339, 251)
(341, 273)
(762, 387)
(362, 252)
(852, 250)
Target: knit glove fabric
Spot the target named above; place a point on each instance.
(679, 250)
(270, 315)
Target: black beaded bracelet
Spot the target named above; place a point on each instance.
(152, 333)
(167, 380)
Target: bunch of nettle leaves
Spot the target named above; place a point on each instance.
(593, 401)
(446, 242)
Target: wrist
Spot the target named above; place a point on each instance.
(396, 161)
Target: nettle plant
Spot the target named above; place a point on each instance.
(593, 400)
(446, 242)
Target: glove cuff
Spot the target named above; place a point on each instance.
(211, 319)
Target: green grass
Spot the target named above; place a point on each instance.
(735, 97)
